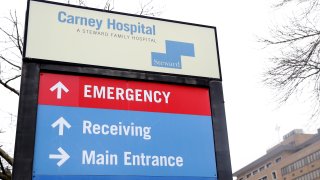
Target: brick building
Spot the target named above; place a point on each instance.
(297, 157)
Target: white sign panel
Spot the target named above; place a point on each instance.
(76, 35)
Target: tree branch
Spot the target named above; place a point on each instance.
(148, 9)
(2, 168)
(6, 156)
(11, 79)
(109, 6)
(82, 3)
(18, 38)
(4, 177)
(9, 87)
(9, 62)
(270, 42)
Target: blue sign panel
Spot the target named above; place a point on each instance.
(90, 143)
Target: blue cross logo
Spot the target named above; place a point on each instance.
(172, 57)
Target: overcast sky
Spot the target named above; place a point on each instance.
(252, 114)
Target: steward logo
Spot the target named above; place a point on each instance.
(172, 57)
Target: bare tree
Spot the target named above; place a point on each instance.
(295, 66)
(109, 6)
(11, 48)
(11, 51)
(147, 9)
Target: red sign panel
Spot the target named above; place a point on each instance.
(94, 92)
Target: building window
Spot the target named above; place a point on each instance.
(269, 164)
(264, 178)
(274, 175)
(311, 175)
(248, 175)
(255, 172)
(261, 168)
(278, 159)
(300, 163)
(317, 155)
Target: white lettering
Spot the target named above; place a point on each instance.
(127, 158)
(129, 95)
(179, 161)
(87, 90)
(117, 129)
(100, 93)
(166, 96)
(147, 96)
(120, 94)
(113, 130)
(156, 98)
(149, 160)
(99, 159)
(138, 95)
(110, 92)
(88, 159)
(96, 129)
(86, 127)
(104, 129)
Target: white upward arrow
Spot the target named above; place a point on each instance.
(63, 156)
(59, 87)
(61, 122)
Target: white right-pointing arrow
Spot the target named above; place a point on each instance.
(59, 87)
(61, 122)
(63, 156)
